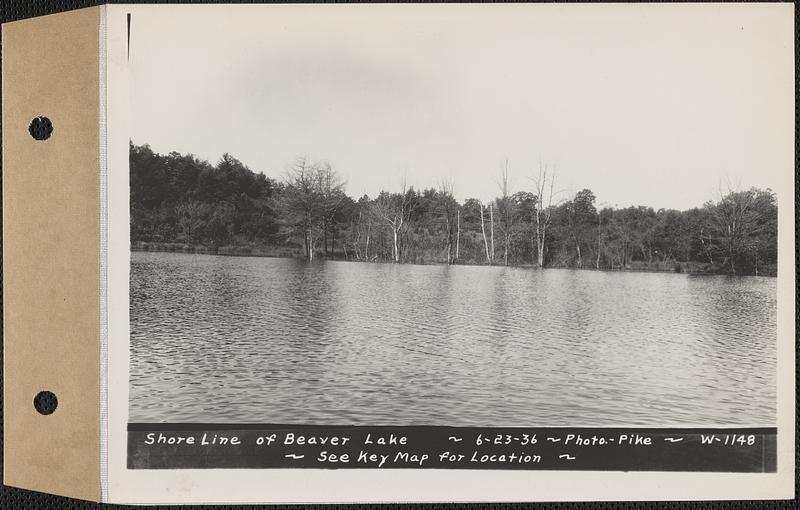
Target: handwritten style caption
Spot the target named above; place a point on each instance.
(198, 446)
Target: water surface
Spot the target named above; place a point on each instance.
(268, 340)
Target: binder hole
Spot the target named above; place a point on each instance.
(45, 402)
(40, 128)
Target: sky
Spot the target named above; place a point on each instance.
(657, 105)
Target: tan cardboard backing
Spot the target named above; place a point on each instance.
(50, 253)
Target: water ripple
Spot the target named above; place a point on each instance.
(218, 339)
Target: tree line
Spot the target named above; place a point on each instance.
(179, 202)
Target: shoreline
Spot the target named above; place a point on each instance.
(686, 267)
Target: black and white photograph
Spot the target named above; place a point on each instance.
(464, 216)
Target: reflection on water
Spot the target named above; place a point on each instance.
(262, 340)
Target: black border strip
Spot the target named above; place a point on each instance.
(140, 427)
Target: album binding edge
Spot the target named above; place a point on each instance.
(51, 255)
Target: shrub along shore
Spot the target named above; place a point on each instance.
(687, 267)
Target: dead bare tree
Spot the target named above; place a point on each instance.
(449, 208)
(483, 231)
(366, 245)
(458, 229)
(506, 215)
(599, 239)
(545, 183)
(394, 210)
(302, 201)
(491, 232)
(330, 190)
(734, 222)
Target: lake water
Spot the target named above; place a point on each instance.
(267, 340)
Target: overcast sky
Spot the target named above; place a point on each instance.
(653, 105)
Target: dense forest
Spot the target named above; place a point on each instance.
(182, 203)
